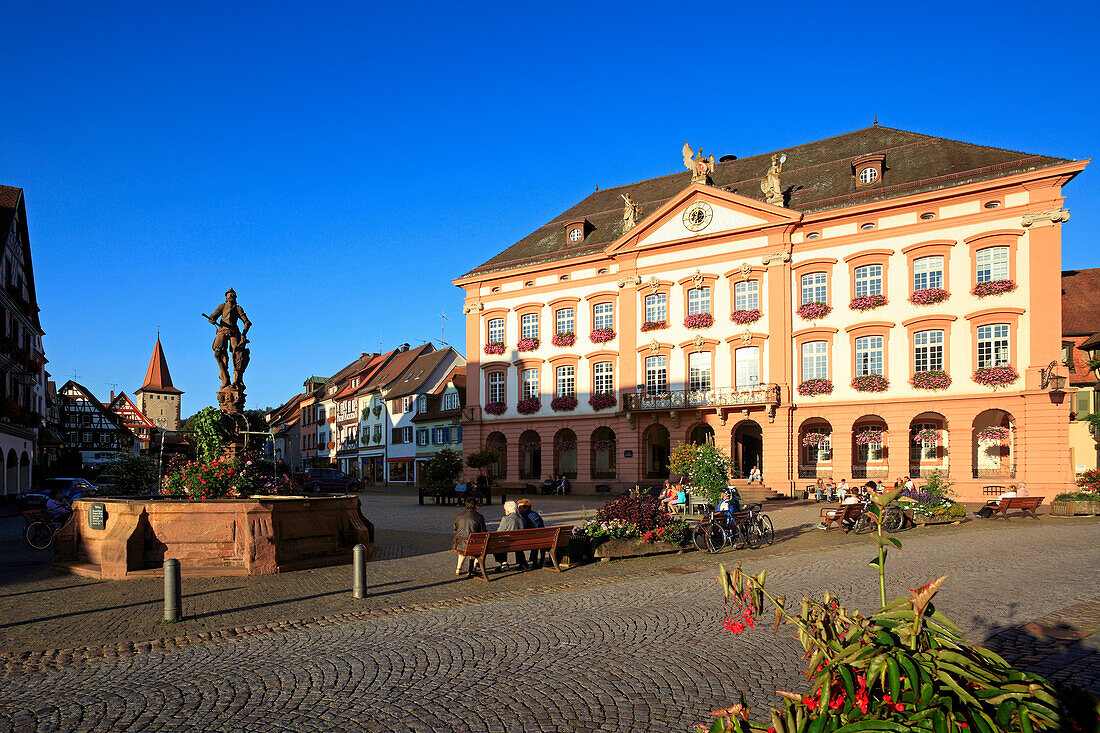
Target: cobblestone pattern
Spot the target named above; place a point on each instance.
(633, 654)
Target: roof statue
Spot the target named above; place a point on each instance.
(630, 212)
(773, 194)
(700, 167)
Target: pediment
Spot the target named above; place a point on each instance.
(702, 212)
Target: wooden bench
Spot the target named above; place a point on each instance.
(841, 514)
(482, 544)
(1026, 505)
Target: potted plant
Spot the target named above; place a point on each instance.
(565, 403)
(814, 387)
(999, 376)
(567, 338)
(929, 296)
(527, 344)
(1084, 501)
(867, 302)
(699, 320)
(745, 317)
(993, 287)
(494, 348)
(495, 408)
(933, 380)
(1094, 364)
(528, 406)
(870, 383)
(654, 325)
(601, 335)
(813, 311)
(602, 400)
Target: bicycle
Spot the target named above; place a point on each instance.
(723, 528)
(761, 523)
(893, 519)
(40, 528)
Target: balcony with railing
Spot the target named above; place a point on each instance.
(689, 399)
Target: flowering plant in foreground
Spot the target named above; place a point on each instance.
(602, 400)
(745, 317)
(603, 445)
(906, 667)
(1090, 480)
(813, 311)
(601, 335)
(699, 320)
(867, 302)
(993, 287)
(527, 344)
(929, 296)
(567, 338)
(935, 379)
(813, 387)
(528, 406)
(248, 475)
(495, 408)
(870, 383)
(565, 445)
(494, 347)
(530, 446)
(999, 376)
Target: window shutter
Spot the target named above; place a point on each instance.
(396, 436)
(446, 435)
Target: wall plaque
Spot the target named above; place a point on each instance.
(97, 516)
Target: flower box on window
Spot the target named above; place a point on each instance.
(564, 403)
(528, 406)
(993, 287)
(927, 435)
(568, 338)
(871, 436)
(495, 408)
(699, 320)
(745, 317)
(601, 446)
(870, 383)
(601, 335)
(996, 376)
(602, 401)
(935, 379)
(867, 302)
(814, 438)
(813, 311)
(814, 387)
(494, 348)
(530, 447)
(563, 446)
(527, 344)
(654, 325)
(929, 296)
(995, 433)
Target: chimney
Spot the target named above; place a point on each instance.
(404, 347)
(112, 395)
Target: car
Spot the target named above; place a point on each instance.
(330, 479)
(71, 488)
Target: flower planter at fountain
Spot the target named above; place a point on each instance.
(254, 536)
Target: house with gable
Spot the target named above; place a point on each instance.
(286, 431)
(87, 425)
(438, 418)
(143, 428)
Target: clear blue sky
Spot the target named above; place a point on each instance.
(339, 164)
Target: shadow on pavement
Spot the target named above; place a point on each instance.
(151, 601)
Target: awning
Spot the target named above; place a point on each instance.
(400, 460)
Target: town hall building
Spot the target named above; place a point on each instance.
(868, 306)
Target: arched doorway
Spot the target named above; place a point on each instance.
(701, 434)
(927, 444)
(565, 453)
(869, 448)
(499, 468)
(603, 453)
(25, 471)
(657, 448)
(530, 455)
(815, 449)
(748, 446)
(11, 476)
(994, 452)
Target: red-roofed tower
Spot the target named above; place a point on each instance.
(158, 398)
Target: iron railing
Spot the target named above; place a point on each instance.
(815, 472)
(1000, 472)
(870, 471)
(686, 399)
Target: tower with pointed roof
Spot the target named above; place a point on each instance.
(158, 398)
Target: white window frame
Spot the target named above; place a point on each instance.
(603, 315)
(530, 380)
(993, 345)
(699, 300)
(603, 377)
(529, 326)
(566, 380)
(746, 295)
(565, 321)
(814, 288)
(870, 355)
(450, 401)
(700, 370)
(656, 308)
(496, 387)
(928, 351)
(815, 360)
(992, 264)
(868, 280)
(928, 273)
(496, 331)
(656, 374)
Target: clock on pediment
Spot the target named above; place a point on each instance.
(698, 216)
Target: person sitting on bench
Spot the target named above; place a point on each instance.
(831, 514)
(510, 521)
(987, 511)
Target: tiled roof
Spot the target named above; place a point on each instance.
(816, 177)
(1080, 302)
(417, 373)
(157, 376)
(395, 367)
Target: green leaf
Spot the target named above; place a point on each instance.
(893, 679)
(873, 725)
(1025, 721)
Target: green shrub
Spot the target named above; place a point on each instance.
(133, 475)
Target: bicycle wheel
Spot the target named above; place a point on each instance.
(764, 525)
(716, 538)
(38, 535)
(894, 520)
(754, 538)
(700, 536)
(864, 524)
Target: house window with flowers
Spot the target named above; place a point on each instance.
(869, 442)
(926, 437)
(818, 445)
(992, 264)
(814, 288)
(565, 388)
(656, 308)
(496, 331)
(698, 300)
(530, 383)
(603, 316)
(746, 302)
(815, 360)
(869, 375)
(699, 371)
(496, 387)
(868, 280)
(928, 281)
(564, 327)
(529, 331)
(656, 375)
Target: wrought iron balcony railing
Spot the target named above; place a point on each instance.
(687, 399)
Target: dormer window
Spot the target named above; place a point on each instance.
(868, 169)
(576, 230)
(575, 234)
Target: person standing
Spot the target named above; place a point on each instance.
(531, 520)
(509, 522)
(466, 524)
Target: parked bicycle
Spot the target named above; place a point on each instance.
(893, 519)
(722, 528)
(40, 527)
(762, 522)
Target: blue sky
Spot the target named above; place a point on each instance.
(339, 164)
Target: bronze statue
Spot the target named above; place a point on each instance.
(230, 338)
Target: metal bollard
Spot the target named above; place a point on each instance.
(173, 610)
(359, 572)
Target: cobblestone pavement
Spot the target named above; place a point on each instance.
(597, 648)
